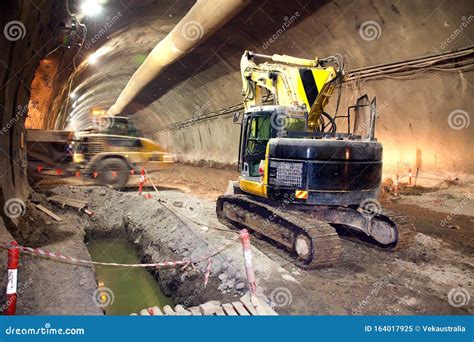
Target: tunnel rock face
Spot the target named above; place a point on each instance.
(29, 32)
(413, 112)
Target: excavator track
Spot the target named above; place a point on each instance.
(283, 227)
(282, 223)
(405, 230)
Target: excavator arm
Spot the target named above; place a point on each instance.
(292, 81)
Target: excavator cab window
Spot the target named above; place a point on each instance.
(259, 132)
(296, 124)
(260, 128)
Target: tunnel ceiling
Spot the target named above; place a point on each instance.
(208, 78)
(209, 72)
(137, 33)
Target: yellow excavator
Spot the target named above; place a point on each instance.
(303, 182)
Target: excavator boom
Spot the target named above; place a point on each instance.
(291, 81)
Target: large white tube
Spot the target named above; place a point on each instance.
(202, 20)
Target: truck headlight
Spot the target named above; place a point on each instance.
(78, 157)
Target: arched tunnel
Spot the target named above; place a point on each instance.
(172, 70)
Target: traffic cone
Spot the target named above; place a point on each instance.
(142, 181)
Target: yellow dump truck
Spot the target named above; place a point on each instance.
(111, 159)
(108, 153)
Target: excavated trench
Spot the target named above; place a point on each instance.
(132, 288)
(127, 228)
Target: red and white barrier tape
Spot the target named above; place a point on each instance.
(67, 259)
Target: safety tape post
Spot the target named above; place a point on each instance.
(397, 183)
(142, 181)
(13, 261)
(244, 235)
(153, 184)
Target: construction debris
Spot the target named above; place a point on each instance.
(66, 201)
(249, 305)
(49, 213)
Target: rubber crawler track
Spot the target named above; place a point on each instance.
(405, 229)
(326, 244)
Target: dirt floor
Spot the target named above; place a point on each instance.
(433, 276)
(204, 182)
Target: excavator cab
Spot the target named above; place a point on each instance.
(258, 127)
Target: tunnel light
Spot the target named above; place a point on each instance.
(92, 59)
(98, 112)
(73, 96)
(90, 7)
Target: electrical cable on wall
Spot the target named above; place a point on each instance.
(402, 70)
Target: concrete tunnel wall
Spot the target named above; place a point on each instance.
(412, 113)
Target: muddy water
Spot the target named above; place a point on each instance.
(133, 289)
